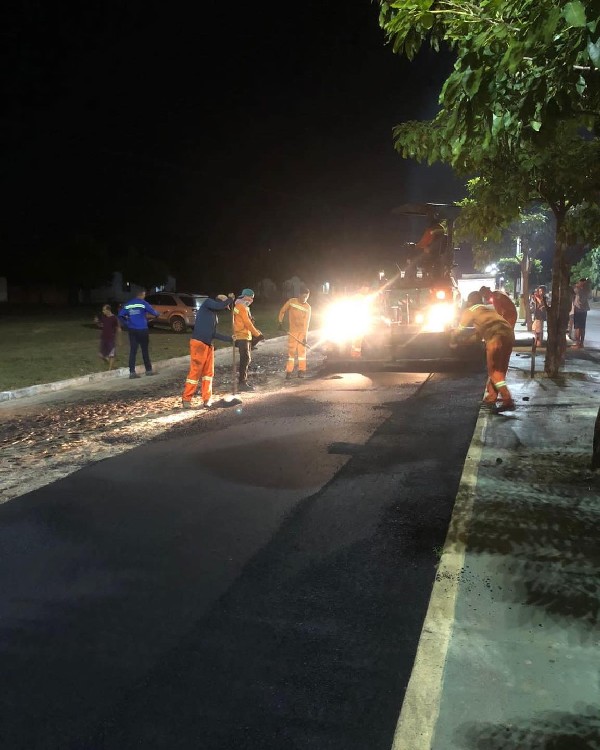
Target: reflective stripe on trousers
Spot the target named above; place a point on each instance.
(296, 349)
(202, 358)
(498, 350)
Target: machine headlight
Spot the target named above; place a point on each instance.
(347, 319)
(439, 317)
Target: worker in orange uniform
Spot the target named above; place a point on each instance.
(431, 246)
(499, 339)
(298, 311)
(245, 334)
(502, 303)
(202, 353)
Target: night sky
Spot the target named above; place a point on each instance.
(231, 139)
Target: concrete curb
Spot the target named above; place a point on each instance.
(120, 372)
(93, 377)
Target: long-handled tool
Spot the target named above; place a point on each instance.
(234, 400)
(304, 343)
(233, 383)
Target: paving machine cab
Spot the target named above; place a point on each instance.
(407, 323)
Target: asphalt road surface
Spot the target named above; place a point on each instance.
(252, 579)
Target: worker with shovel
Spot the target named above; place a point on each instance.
(202, 353)
(299, 312)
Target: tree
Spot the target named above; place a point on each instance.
(521, 67)
(524, 85)
(564, 175)
(588, 267)
(526, 237)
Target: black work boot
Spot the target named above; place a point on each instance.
(301, 374)
(288, 376)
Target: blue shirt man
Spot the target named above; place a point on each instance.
(133, 315)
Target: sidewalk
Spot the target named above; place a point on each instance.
(508, 657)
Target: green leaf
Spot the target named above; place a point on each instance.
(427, 20)
(594, 52)
(536, 125)
(574, 14)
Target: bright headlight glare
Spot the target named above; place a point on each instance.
(439, 317)
(346, 320)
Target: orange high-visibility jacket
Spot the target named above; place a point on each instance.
(243, 327)
(430, 235)
(505, 307)
(298, 313)
(486, 322)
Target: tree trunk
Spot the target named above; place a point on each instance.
(525, 284)
(558, 312)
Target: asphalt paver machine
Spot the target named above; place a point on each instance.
(406, 324)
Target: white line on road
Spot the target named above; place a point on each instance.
(418, 718)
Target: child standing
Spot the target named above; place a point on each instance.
(109, 325)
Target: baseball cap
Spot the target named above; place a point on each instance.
(247, 293)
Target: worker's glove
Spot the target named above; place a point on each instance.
(256, 340)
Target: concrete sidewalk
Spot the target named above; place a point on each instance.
(508, 657)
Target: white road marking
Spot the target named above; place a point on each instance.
(418, 718)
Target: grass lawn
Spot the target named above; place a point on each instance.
(56, 344)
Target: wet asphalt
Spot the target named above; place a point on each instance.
(250, 578)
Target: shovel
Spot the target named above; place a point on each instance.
(234, 399)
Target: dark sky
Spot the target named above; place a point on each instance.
(241, 134)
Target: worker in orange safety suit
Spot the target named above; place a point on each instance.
(202, 353)
(299, 312)
(245, 334)
(503, 304)
(431, 246)
(499, 339)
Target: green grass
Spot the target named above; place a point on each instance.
(56, 344)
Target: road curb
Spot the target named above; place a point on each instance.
(93, 377)
(120, 372)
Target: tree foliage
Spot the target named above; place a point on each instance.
(588, 267)
(517, 111)
(521, 66)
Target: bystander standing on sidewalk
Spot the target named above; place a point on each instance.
(134, 316)
(581, 305)
(539, 309)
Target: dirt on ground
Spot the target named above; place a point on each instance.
(41, 445)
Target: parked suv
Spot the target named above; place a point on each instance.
(176, 309)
